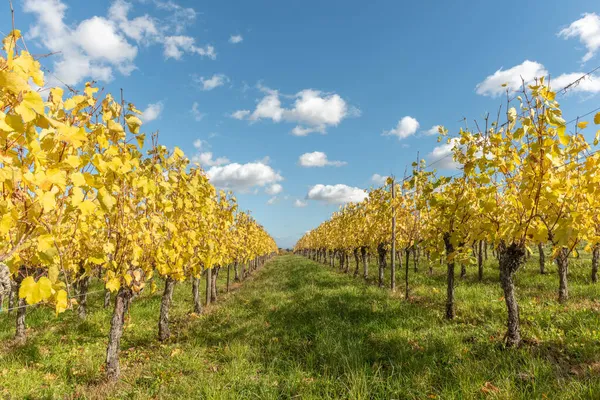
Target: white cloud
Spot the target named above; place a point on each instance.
(378, 180)
(318, 159)
(98, 37)
(441, 156)
(235, 39)
(272, 200)
(199, 143)
(141, 29)
(434, 130)
(336, 194)
(178, 18)
(589, 84)
(313, 110)
(206, 159)
(274, 189)
(213, 82)
(587, 29)
(302, 131)
(528, 71)
(93, 48)
(243, 177)
(152, 112)
(196, 112)
(176, 46)
(240, 114)
(299, 203)
(406, 127)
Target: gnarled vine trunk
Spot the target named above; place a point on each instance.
(122, 301)
(228, 276)
(363, 254)
(563, 270)
(106, 298)
(213, 284)
(416, 257)
(381, 252)
(511, 258)
(196, 295)
(480, 260)
(20, 329)
(83, 285)
(208, 285)
(357, 261)
(165, 305)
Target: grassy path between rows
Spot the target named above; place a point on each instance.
(297, 329)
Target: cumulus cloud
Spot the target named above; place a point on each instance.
(312, 110)
(272, 200)
(406, 127)
(196, 113)
(206, 159)
(378, 180)
(199, 143)
(434, 130)
(176, 46)
(336, 194)
(318, 159)
(141, 29)
(441, 156)
(274, 189)
(240, 114)
(243, 177)
(211, 83)
(152, 112)
(589, 84)
(299, 203)
(587, 30)
(512, 78)
(236, 39)
(94, 48)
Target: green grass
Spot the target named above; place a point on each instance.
(298, 329)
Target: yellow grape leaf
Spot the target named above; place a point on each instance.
(12, 82)
(140, 140)
(128, 279)
(34, 292)
(113, 284)
(53, 273)
(87, 207)
(106, 199)
(78, 179)
(133, 123)
(73, 161)
(76, 196)
(72, 134)
(62, 302)
(45, 242)
(562, 137)
(178, 153)
(48, 201)
(597, 118)
(31, 105)
(114, 126)
(582, 124)
(6, 223)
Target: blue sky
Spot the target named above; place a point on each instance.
(282, 101)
